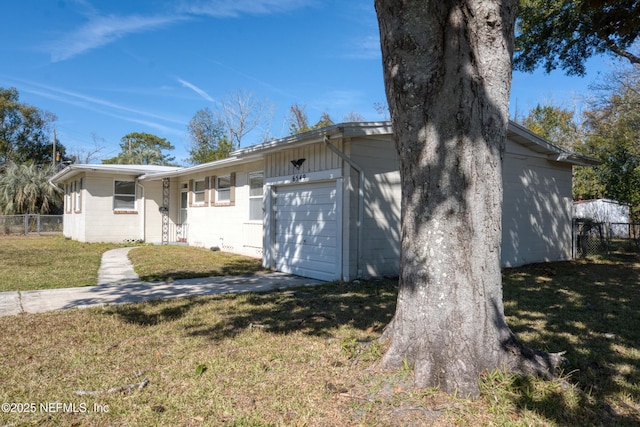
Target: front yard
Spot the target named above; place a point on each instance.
(308, 357)
(31, 263)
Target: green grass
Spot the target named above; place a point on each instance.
(31, 262)
(51, 262)
(153, 263)
(591, 310)
(308, 357)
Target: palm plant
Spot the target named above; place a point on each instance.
(25, 188)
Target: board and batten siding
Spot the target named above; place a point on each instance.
(318, 157)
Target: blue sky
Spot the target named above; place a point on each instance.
(107, 68)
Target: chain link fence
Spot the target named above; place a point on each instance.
(601, 238)
(31, 224)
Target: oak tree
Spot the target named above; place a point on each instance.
(447, 74)
(24, 131)
(565, 33)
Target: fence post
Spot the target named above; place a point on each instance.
(26, 224)
(38, 223)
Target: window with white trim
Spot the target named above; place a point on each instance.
(223, 189)
(199, 188)
(78, 194)
(124, 195)
(256, 188)
(67, 198)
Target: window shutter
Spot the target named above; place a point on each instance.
(190, 192)
(213, 184)
(232, 190)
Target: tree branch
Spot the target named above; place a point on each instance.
(621, 52)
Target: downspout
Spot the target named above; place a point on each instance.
(361, 183)
(143, 219)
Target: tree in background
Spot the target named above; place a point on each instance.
(299, 121)
(24, 131)
(555, 124)
(139, 148)
(208, 141)
(241, 113)
(86, 154)
(566, 33)
(613, 136)
(353, 116)
(25, 189)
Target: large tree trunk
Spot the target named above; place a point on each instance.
(447, 72)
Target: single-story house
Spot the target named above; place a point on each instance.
(323, 204)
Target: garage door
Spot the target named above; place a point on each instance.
(306, 230)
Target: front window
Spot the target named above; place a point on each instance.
(124, 195)
(223, 193)
(256, 185)
(198, 191)
(78, 194)
(67, 201)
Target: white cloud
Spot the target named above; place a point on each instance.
(196, 89)
(102, 106)
(234, 8)
(102, 30)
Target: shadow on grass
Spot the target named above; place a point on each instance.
(316, 310)
(592, 311)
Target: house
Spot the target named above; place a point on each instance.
(323, 204)
(610, 212)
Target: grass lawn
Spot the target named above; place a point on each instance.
(308, 357)
(34, 262)
(52, 262)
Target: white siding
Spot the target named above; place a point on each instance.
(381, 225)
(103, 224)
(536, 207)
(536, 219)
(225, 227)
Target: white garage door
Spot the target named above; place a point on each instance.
(306, 230)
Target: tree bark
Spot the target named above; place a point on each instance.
(447, 72)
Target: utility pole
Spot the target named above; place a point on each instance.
(53, 156)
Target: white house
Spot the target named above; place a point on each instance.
(323, 204)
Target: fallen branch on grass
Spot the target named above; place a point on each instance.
(123, 389)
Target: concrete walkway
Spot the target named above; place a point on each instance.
(119, 284)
